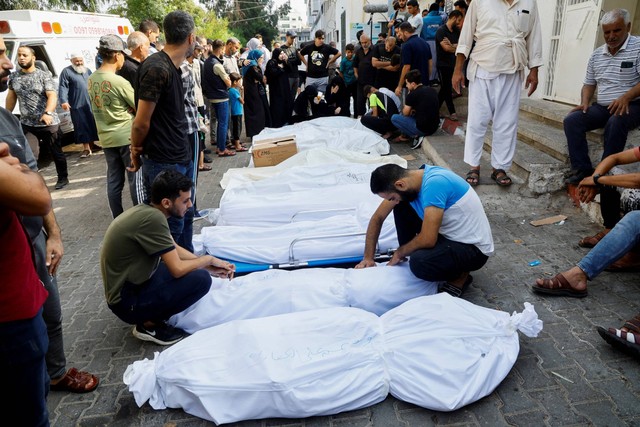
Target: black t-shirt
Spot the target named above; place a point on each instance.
(386, 78)
(424, 101)
(159, 81)
(362, 61)
(292, 60)
(318, 59)
(446, 59)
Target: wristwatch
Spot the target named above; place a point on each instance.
(596, 177)
(48, 113)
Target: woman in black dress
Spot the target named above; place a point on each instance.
(279, 88)
(256, 106)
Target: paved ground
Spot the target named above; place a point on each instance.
(566, 376)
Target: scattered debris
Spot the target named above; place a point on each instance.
(517, 241)
(549, 220)
(561, 377)
(534, 263)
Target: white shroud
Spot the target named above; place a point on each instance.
(437, 352)
(271, 292)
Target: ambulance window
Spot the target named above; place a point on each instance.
(41, 55)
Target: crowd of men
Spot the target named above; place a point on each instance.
(147, 105)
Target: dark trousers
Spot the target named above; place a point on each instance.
(181, 228)
(118, 159)
(236, 128)
(352, 89)
(49, 138)
(616, 129)
(361, 101)
(378, 124)
(446, 261)
(446, 88)
(161, 296)
(23, 344)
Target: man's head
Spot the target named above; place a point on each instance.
(5, 66)
(77, 62)
(413, 79)
(413, 7)
(456, 18)
(390, 44)
(461, 6)
(616, 25)
(171, 193)
(232, 46)
(26, 58)
(291, 37)
(365, 41)
(424, 12)
(434, 7)
(367, 90)
(406, 30)
(319, 38)
(402, 4)
(139, 45)
(112, 50)
(217, 47)
(179, 30)
(392, 183)
(150, 29)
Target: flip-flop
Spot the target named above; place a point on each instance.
(242, 148)
(76, 382)
(558, 286)
(226, 153)
(622, 340)
(204, 168)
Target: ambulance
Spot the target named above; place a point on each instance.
(55, 35)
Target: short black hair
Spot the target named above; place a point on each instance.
(168, 184)
(320, 34)
(461, 4)
(366, 90)
(434, 7)
(413, 76)
(349, 47)
(455, 13)
(234, 77)
(148, 25)
(406, 26)
(178, 25)
(384, 178)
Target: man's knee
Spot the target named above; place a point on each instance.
(423, 265)
(574, 120)
(199, 281)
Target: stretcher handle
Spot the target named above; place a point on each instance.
(292, 258)
(293, 217)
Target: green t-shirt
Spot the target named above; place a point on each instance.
(132, 247)
(374, 101)
(111, 102)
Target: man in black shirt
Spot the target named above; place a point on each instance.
(446, 43)
(159, 130)
(293, 60)
(319, 56)
(364, 71)
(420, 116)
(387, 75)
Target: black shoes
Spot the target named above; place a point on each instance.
(578, 176)
(62, 182)
(161, 334)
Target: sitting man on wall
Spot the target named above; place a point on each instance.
(148, 277)
(614, 70)
(440, 221)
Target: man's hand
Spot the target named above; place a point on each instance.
(65, 106)
(398, 91)
(5, 156)
(458, 80)
(581, 107)
(46, 119)
(587, 190)
(221, 269)
(532, 81)
(55, 251)
(365, 263)
(397, 258)
(136, 152)
(619, 107)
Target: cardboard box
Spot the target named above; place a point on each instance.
(270, 152)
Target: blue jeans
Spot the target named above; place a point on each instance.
(181, 228)
(406, 125)
(221, 110)
(620, 240)
(616, 129)
(23, 344)
(161, 296)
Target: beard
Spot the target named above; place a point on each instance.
(27, 65)
(408, 195)
(80, 69)
(192, 48)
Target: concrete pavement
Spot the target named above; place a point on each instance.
(566, 376)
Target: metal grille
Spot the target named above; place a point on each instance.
(573, 2)
(553, 47)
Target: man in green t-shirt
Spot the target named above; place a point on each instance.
(112, 104)
(148, 277)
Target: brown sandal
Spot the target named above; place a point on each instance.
(76, 381)
(627, 341)
(473, 177)
(558, 286)
(591, 241)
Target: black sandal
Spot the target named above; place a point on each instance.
(473, 177)
(501, 178)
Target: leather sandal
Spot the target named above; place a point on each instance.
(75, 381)
(558, 286)
(501, 178)
(591, 241)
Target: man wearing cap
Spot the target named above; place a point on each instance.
(294, 59)
(36, 91)
(159, 130)
(139, 46)
(74, 97)
(112, 104)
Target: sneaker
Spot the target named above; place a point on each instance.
(161, 334)
(63, 182)
(207, 151)
(417, 142)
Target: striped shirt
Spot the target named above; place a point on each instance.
(614, 74)
(190, 106)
